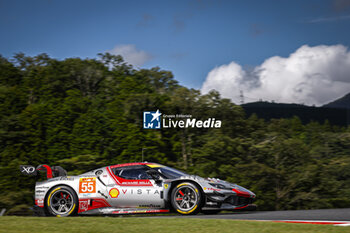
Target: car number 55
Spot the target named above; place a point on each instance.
(87, 185)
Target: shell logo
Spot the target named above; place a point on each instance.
(114, 193)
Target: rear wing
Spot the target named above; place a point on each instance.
(51, 172)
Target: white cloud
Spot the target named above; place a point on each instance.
(131, 54)
(310, 75)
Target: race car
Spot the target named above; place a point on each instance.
(133, 188)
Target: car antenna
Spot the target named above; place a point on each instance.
(142, 153)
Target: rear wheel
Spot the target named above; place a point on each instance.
(186, 198)
(62, 201)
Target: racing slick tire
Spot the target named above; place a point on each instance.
(61, 201)
(186, 198)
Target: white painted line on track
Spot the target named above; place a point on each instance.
(343, 225)
(320, 222)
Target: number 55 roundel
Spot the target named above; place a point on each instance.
(87, 185)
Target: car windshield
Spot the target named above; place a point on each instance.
(170, 173)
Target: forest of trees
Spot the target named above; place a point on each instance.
(82, 114)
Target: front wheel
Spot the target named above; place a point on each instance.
(62, 201)
(186, 198)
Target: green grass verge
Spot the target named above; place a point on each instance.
(144, 225)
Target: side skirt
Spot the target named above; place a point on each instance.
(120, 211)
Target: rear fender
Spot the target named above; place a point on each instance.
(43, 188)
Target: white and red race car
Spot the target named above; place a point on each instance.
(133, 188)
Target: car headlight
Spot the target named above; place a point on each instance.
(218, 186)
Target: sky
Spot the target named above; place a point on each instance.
(274, 50)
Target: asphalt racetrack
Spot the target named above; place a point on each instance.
(323, 214)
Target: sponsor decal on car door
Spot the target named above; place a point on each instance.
(141, 193)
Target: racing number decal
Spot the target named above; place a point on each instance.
(87, 185)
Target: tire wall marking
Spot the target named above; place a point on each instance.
(71, 210)
(48, 199)
(182, 185)
(182, 212)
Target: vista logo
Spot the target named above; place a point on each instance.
(152, 120)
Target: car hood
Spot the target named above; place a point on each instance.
(228, 186)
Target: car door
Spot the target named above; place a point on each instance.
(133, 187)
